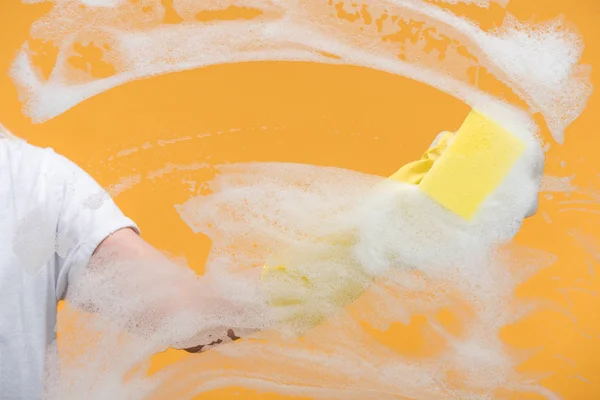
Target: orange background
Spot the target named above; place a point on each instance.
(326, 115)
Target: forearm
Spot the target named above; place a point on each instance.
(136, 287)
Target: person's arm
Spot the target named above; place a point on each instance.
(126, 250)
(103, 266)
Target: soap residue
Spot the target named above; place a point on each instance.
(425, 259)
(257, 209)
(128, 41)
(479, 3)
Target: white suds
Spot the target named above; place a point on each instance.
(424, 258)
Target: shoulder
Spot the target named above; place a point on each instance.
(25, 157)
(25, 167)
(42, 163)
(39, 174)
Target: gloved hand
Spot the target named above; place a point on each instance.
(308, 283)
(415, 171)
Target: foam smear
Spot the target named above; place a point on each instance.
(258, 209)
(479, 3)
(436, 261)
(120, 319)
(422, 258)
(408, 37)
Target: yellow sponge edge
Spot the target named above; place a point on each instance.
(474, 164)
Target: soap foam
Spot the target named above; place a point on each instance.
(478, 3)
(394, 230)
(120, 320)
(538, 62)
(260, 208)
(424, 258)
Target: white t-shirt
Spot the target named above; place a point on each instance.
(53, 216)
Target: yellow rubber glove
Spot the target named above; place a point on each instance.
(415, 171)
(458, 171)
(297, 284)
(308, 283)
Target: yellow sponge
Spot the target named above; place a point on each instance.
(474, 164)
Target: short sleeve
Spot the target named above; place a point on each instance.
(86, 217)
